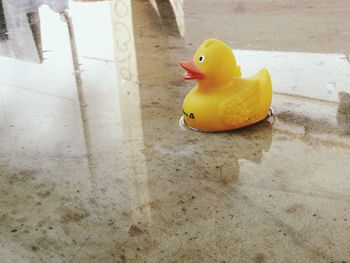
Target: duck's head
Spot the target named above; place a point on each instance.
(213, 64)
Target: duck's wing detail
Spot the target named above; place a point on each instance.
(242, 107)
(234, 110)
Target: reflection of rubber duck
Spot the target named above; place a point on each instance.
(223, 100)
(248, 144)
(343, 113)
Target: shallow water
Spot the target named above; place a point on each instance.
(94, 166)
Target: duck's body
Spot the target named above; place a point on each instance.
(225, 102)
(243, 102)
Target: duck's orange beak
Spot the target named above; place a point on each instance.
(192, 71)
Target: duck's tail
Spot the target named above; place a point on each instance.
(266, 89)
(237, 72)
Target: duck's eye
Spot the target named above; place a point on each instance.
(201, 59)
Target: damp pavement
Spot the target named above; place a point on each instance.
(95, 165)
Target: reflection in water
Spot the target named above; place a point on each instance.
(158, 192)
(216, 157)
(258, 140)
(3, 27)
(136, 69)
(127, 72)
(314, 121)
(343, 113)
(80, 92)
(20, 28)
(165, 163)
(21, 32)
(34, 22)
(253, 145)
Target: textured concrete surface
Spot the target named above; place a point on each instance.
(94, 166)
(283, 25)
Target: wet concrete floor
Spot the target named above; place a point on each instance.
(94, 166)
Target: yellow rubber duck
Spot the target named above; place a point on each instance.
(223, 100)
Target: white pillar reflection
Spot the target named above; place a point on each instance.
(126, 66)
